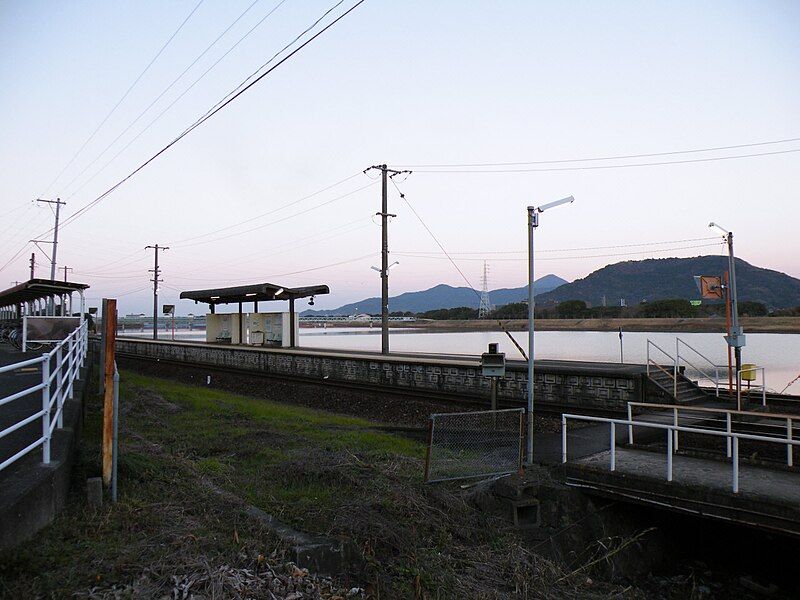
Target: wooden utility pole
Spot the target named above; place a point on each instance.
(110, 334)
(33, 264)
(65, 272)
(155, 271)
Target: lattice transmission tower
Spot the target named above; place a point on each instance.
(486, 305)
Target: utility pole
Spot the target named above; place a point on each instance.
(53, 257)
(65, 272)
(384, 214)
(33, 264)
(155, 271)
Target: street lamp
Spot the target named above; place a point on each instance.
(735, 337)
(533, 223)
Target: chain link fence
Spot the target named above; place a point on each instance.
(474, 444)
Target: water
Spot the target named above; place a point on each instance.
(778, 352)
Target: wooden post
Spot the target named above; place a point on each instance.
(110, 327)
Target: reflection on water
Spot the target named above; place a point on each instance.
(779, 353)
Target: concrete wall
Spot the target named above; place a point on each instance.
(557, 383)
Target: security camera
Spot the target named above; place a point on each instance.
(311, 301)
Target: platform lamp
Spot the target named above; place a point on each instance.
(736, 339)
(533, 223)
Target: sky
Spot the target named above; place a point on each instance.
(250, 197)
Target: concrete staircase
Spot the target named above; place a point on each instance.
(688, 391)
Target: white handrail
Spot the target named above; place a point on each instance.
(715, 367)
(672, 360)
(671, 430)
(763, 385)
(786, 420)
(56, 385)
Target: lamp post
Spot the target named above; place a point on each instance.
(533, 223)
(735, 338)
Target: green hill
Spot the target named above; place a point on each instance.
(658, 279)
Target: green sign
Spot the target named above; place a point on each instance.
(695, 302)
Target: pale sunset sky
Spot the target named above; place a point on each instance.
(409, 84)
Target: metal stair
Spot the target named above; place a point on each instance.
(667, 375)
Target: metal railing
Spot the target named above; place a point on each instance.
(708, 362)
(784, 422)
(670, 430)
(60, 367)
(762, 386)
(651, 362)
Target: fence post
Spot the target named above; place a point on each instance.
(115, 448)
(428, 449)
(110, 328)
(46, 408)
(669, 455)
(675, 422)
(677, 360)
(60, 386)
(763, 387)
(563, 438)
(630, 425)
(789, 457)
(735, 465)
(72, 353)
(613, 446)
(728, 429)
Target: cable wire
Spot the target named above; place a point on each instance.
(209, 114)
(464, 277)
(171, 104)
(125, 95)
(602, 167)
(601, 158)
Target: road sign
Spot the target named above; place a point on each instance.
(168, 309)
(710, 286)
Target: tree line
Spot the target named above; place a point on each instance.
(578, 309)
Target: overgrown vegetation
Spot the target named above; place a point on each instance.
(318, 472)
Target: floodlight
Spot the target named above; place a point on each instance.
(567, 200)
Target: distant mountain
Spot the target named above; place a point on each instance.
(655, 279)
(441, 296)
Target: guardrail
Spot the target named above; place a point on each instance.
(762, 386)
(57, 384)
(670, 431)
(786, 421)
(708, 362)
(651, 362)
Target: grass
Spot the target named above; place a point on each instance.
(319, 472)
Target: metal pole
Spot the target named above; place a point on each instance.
(384, 260)
(155, 272)
(532, 223)
(292, 340)
(33, 264)
(621, 358)
(737, 350)
(58, 204)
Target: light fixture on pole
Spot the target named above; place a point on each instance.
(533, 223)
(735, 338)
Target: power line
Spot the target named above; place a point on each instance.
(281, 220)
(601, 167)
(212, 112)
(702, 239)
(457, 268)
(269, 212)
(600, 158)
(125, 95)
(652, 251)
(174, 81)
(335, 264)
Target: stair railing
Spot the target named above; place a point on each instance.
(650, 361)
(709, 364)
